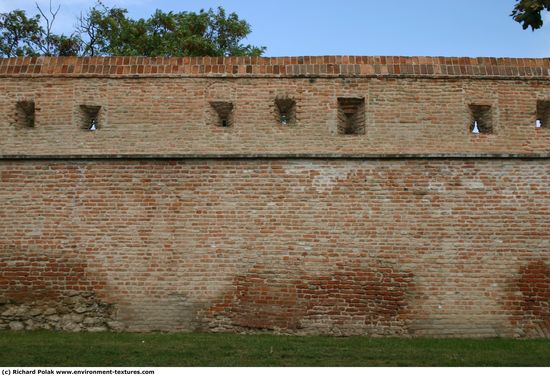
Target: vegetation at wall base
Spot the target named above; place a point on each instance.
(56, 349)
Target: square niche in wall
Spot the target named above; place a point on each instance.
(286, 110)
(25, 113)
(351, 116)
(89, 117)
(481, 119)
(543, 114)
(224, 110)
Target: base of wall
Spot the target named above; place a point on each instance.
(73, 312)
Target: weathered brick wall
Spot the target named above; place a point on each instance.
(422, 247)
(170, 113)
(261, 226)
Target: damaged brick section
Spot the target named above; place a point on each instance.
(50, 292)
(74, 312)
(357, 298)
(529, 301)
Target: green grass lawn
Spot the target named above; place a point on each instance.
(198, 349)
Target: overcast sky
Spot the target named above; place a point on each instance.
(353, 27)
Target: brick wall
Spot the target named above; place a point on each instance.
(418, 111)
(164, 220)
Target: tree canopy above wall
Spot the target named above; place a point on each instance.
(104, 31)
(529, 13)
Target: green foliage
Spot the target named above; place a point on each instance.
(55, 349)
(19, 34)
(23, 36)
(105, 31)
(529, 13)
(62, 45)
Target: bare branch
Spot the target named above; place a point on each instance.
(47, 47)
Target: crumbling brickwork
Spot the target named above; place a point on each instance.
(164, 218)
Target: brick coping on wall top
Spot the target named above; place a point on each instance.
(303, 66)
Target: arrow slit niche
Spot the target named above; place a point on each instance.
(225, 113)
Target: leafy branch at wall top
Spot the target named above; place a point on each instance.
(529, 13)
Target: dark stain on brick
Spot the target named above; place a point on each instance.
(261, 299)
(529, 300)
(25, 277)
(356, 298)
(375, 295)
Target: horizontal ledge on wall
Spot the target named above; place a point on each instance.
(278, 156)
(287, 76)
